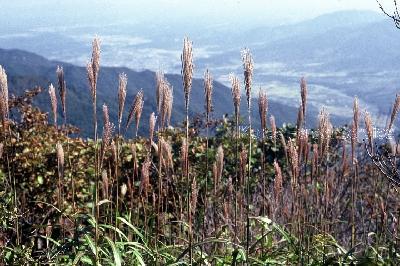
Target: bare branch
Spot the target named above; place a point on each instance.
(395, 16)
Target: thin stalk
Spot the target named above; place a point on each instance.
(189, 187)
(263, 179)
(353, 204)
(96, 171)
(206, 183)
(248, 188)
(236, 171)
(160, 185)
(117, 179)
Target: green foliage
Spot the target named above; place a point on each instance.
(66, 236)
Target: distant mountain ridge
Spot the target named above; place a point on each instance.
(26, 70)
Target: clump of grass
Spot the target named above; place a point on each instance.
(53, 101)
(154, 190)
(4, 109)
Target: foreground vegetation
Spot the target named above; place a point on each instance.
(205, 193)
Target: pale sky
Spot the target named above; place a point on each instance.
(156, 10)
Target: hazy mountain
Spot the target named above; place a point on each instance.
(26, 70)
(342, 55)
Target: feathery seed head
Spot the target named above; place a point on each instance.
(263, 108)
(135, 110)
(325, 131)
(194, 195)
(303, 88)
(208, 87)
(235, 92)
(123, 189)
(152, 125)
(369, 128)
(395, 110)
(220, 161)
(294, 160)
(107, 132)
(4, 109)
(53, 100)
(164, 99)
(167, 105)
(114, 152)
(353, 142)
(145, 180)
(138, 110)
(187, 69)
(60, 158)
(62, 88)
(93, 67)
(356, 113)
(123, 80)
(278, 181)
(247, 60)
(166, 154)
(105, 181)
(273, 128)
(96, 55)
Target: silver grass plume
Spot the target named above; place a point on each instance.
(208, 88)
(278, 181)
(303, 91)
(60, 159)
(122, 81)
(114, 152)
(248, 73)
(356, 114)
(138, 112)
(235, 93)
(4, 109)
(166, 154)
(164, 99)
(187, 69)
(167, 104)
(107, 132)
(273, 128)
(152, 124)
(353, 142)
(369, 128)
(135, 110)
(263, 108)
(395, 110)
(294, 161)
(325, 131)
(93, 67)
(62, 89)
(53, 100)
(123, 189)
(193, 198)
(145, 179)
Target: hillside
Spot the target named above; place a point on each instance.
(26, 70)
